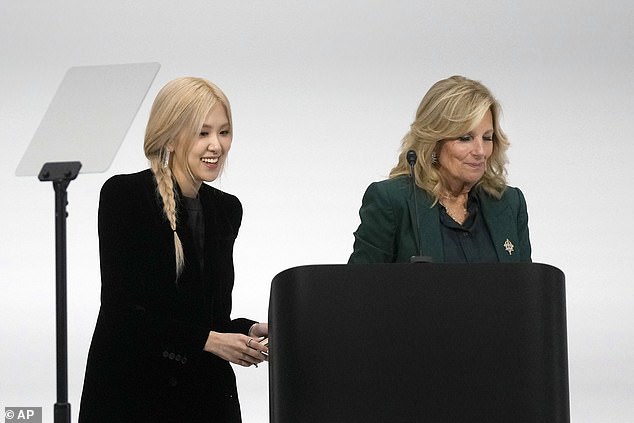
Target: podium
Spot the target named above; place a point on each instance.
(418, 343)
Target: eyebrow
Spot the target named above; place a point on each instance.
(205, 126)
(485, 132)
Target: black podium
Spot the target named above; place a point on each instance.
(418, 343)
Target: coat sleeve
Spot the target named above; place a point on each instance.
(222, 310)
(375, 238)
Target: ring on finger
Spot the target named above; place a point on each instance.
(249, 342)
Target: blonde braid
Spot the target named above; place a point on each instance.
(165, 188)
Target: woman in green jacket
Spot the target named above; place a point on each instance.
(447, 198)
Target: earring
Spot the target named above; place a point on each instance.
(434, 158)
(166, 158)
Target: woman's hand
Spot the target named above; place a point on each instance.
(237, 348)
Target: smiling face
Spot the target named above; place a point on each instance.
(201, 159)
(462, 161)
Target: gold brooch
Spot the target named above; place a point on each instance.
(509, 247)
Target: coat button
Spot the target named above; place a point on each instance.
(165, 354)
(172, 356)
(184, 360)
(178, 357)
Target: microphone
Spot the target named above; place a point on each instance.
(411, 159)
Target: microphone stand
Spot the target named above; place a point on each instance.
(420, 258)
(61, 173)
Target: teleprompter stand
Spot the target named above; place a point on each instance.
(61, 173)
(81, 130)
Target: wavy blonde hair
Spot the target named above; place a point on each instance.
(452, 107)
(178, 113)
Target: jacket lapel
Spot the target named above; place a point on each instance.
(499, 219)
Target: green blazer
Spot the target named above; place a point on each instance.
(387, 233)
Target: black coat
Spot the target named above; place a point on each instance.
(146, 361)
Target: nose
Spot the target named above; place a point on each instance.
(478, 147)
(214, 144)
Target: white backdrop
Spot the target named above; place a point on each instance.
(322, 93)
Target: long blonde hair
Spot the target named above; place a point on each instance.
(451, 108)
(178, 112)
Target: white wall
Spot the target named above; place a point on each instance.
(322, 92)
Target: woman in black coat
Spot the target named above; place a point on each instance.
(164, 339)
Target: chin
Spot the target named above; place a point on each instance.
(210, 179)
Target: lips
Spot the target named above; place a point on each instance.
(475, 165)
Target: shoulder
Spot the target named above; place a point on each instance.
(394, 188)
(397, 184)
(129, 183)
(127, 204)
(220, 198)
(127, 195)
(397, 191)
(511, 197)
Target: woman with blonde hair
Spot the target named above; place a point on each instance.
(164, 338)
(447, 198)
